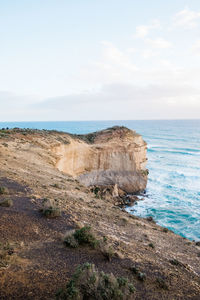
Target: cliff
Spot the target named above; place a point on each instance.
(35, 262)
(115, 156)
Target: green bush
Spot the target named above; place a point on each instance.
(175, 262)
(6, 203)
(108, 252)
(134, 270)
(70, 241)
(50, 209)
(84, 235)
(141, 276)
(51, 212)
(3, 190)
(145, 172)
(162, 284)
(6, 251)
(151, 245)
(88, 283)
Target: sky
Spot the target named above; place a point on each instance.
(99, 60)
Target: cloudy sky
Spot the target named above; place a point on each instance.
(99, 59)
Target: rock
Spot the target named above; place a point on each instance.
(121, 193)
(112, 157)
(151, 219)
(131, 199)
(115, 192)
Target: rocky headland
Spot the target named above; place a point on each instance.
(112, 157)
(54, 184)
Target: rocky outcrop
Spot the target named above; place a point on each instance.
(111, 157)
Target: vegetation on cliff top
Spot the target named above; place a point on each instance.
(108, 133)
(88, 283)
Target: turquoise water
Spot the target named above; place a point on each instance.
(173, 191)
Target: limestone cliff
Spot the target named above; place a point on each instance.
(115, 156)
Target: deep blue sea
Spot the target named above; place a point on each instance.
(173, 191)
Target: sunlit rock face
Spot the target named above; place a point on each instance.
(115, 156)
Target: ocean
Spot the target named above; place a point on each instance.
(173, 192)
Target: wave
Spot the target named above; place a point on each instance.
(174, 151)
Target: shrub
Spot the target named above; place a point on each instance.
(5, 254)
(162, 284)
(82, 236)
(88, 283)
(122, 281)
(96, 190)
(108, 252)
(70, 241)
(6, 203)
(151, 245)
(175, 262)
(55, 185)
(141, 276)
(144, 172)
(3, 190)
(134, 270)
(165, 229)
(51, 210)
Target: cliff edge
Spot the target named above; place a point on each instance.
(114, 156)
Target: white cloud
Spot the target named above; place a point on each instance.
(196, 47)
(114, 56)
(127, 101)
(143, 30)
(17, 107)
(131, 50)
(149, 53)
(186, 18)
(166, 64)
(160, 67)
(159, 43)
(113, 65)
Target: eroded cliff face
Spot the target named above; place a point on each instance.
(115, 156)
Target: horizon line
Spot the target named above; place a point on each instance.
(111, 120)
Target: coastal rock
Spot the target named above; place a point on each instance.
(112, 157)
